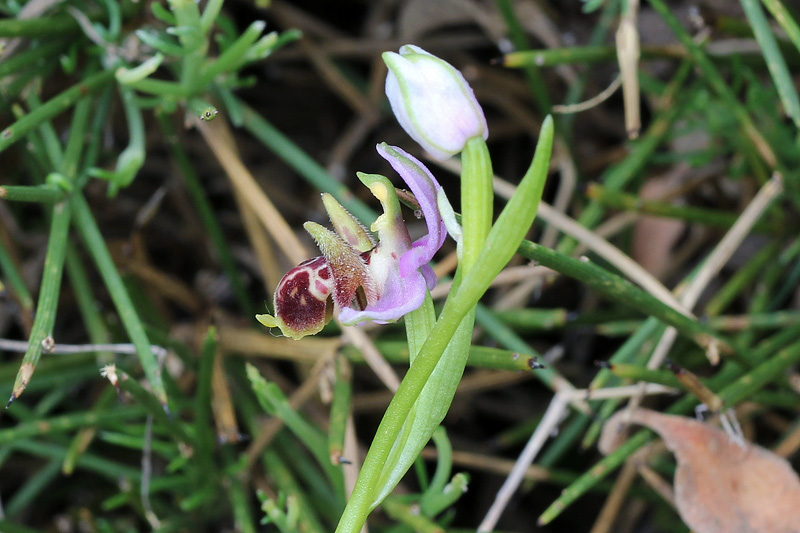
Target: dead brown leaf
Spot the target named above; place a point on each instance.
(720, 485)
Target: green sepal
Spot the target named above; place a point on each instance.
(346, 225)
(349, 270)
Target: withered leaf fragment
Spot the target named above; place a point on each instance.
(721, 486)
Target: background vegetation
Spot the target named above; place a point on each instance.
(158, 160)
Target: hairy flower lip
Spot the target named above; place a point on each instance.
(432, 101)
(302, 299)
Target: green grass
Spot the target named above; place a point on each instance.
(121, 228)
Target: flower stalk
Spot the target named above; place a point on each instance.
(360, 278)
(500, 245)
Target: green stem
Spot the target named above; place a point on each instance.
(625, 292)
(47, 133)
(533, 319)
(589, 479)
(87, 303)
(131, 159)
(358, 506)
(619, 175)
(419, 324)
(38, 27)
(760, 376)
(713, 78)
(582, 55)
(752, 321)
(52, 107)
(68, 422)
(202, 422)
(81, 442)
(153, 406)
(48, 296)
(111, 470)
(209, 15)
(520, 41)
(101, 106)
(479, 356)
(510, 340)
(784, 18)
(187, 15)
(25, 59)
(667, 378)
(639, 373)
(14, 279)
(239, 496)
(96, 246)
(160, 87)
(194, 40)
(274, 402)
(634, 350)
(629, 202)
(550, 57)
(46, 194)
(278, 471)
(476, 201)
(284, 479)
(404, 513)
(444, 465)
(329, 500)
(775, 62)
(232, 55)
(568, 434)
(340, 410)
(740, 279)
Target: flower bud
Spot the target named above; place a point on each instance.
(432, 101)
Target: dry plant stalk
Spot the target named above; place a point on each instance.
(627, 38)
(222, 404)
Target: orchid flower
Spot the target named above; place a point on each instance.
(356, 278)
(432, 101)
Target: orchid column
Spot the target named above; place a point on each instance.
(437, 108)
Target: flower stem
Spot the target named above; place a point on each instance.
(358, 507)
(488, 257)
(476, 200)
(476, 194)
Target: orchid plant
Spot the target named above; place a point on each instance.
(360, 279)
(364, 280)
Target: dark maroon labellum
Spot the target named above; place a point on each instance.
(301, 299)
